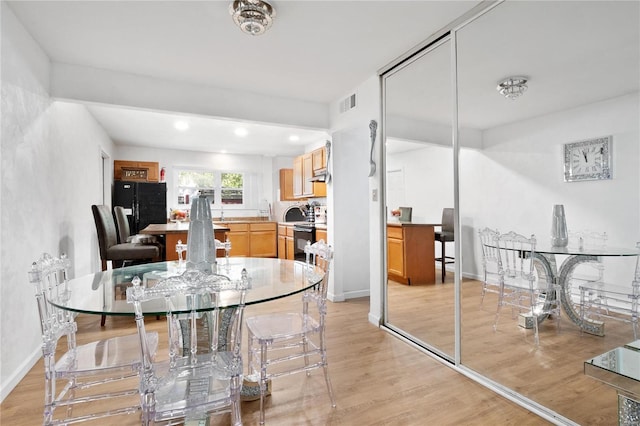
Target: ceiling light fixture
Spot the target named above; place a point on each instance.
(241, 131)
(294, 138)
(252, 16)
(512, 87)
(181, 125)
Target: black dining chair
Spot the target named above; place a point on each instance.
(445, 235)
(118, 253)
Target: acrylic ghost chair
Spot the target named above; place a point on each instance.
(618, 302)
(194, 382)
(88, 368)
(490, 259)
(286, 343)
(519, 285)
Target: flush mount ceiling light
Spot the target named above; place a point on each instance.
(181, 125)
(241, 131)
(252, 16)
(512, 87)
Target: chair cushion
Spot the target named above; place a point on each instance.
(444, 236)
(130, 251)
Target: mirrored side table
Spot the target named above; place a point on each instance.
(620, 368)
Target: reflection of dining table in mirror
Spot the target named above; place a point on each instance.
(179, 231)
(104, 293)
(547, 269)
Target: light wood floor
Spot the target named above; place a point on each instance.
(551, 375)
(377, 379)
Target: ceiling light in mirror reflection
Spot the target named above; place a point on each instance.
(181, 125)
(512, 87)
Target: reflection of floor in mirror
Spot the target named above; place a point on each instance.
(551, 375)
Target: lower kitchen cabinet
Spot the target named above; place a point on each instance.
(321, 234)
(262, 239)
(411, 253)
(285, 242)
(254, 239)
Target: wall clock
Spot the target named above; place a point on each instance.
(588, 160)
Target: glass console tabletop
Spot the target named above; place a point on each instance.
(619, 368)
(104, 293)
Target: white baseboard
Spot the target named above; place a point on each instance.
(14, 379)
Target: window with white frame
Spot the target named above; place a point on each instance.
(221, 188)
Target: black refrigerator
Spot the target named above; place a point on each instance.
(144, 202)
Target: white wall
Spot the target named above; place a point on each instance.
(51, 174)
(349, 206)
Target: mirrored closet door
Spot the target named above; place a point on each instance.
(419, 185)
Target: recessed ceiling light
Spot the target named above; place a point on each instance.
(241, 131)
(223, 151)
(294, 138)
(181, 125)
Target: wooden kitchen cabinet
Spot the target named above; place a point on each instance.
(302, 174)
(297, 177)
(307, 174)
(321, 234)
(263, 242)
(139, 171)
(171, 239)
(255, 239)
(239, 237)
(286, 185)
(319, 159)
(411, 253)
(285, 241)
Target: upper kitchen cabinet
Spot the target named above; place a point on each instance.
(303, 173)
(319, 160)
(138, 171)
(286, 185)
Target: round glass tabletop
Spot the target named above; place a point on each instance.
(105, 293)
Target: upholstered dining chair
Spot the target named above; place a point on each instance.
(286, 343)
(444, 236)
(124, 231)
(118, 253)
(88, 368)
(110, 249)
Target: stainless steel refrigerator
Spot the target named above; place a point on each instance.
(144, 202)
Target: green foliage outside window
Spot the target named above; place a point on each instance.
(232, 188)
(197, 179)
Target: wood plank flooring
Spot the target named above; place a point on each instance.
(551, 375)
(377, 379)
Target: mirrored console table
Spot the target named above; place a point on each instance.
(620, 368)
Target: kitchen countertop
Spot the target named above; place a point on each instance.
(174, 228)
(318, 225)
(411, 224)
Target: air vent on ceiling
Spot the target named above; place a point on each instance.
(348, 103)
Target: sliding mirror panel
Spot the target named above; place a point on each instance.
(581, 62)
(419, 185)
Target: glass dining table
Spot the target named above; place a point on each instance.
(105, 293)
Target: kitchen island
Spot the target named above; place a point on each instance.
(179, 231)
(253, 238)
(411, 252)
